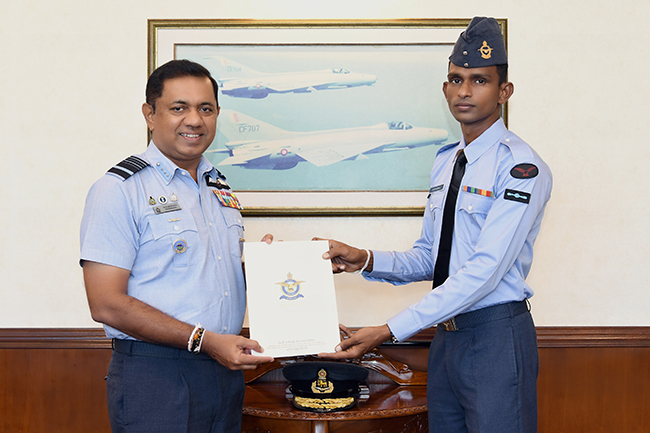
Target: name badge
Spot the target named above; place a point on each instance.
(164, 208)
(435, 189)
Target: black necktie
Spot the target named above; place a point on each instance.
(441, 270)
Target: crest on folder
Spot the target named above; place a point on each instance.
(290, 288)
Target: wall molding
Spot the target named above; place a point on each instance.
(547, 337)
(53, 338)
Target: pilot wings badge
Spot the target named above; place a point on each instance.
(290, 288)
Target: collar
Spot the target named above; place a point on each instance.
(167, 169)
(490, 137)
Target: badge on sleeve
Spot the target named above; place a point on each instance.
(227, 198)
(524, 171)
(520, 196)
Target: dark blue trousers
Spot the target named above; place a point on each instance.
(483, 378)
(162, 389)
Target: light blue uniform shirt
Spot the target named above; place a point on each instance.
(204, 283)
(492, 246)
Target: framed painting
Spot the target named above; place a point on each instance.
(323, 117)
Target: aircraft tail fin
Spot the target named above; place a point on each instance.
(223, 69)
(239, 128)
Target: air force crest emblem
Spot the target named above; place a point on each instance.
(485, 50)
(290, 288)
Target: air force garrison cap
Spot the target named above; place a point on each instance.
(480, 45)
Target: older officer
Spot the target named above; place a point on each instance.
(484, 210)
(161, 254)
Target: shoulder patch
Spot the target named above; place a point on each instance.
(524, 171)
(128, 167)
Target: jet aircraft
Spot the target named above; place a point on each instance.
(241, 81)
(254, 144)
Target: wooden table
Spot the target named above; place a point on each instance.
(390, 408)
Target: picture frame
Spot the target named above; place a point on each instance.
(357, 138)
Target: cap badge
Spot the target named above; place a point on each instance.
(322, 385)
(485, 50)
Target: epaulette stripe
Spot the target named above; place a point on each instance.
(128, 167)
(140, 163)
(120, 171)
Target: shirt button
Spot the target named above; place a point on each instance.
(431, 206)
(219, 257)
(469, 207)
(176, 228)
(225, 328)
(210, 224)
(507, 139)
(226, 293)
(464, 53)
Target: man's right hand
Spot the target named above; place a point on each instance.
(346, 258)
(110, 303)
(233, 351)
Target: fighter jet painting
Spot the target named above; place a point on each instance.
(254, 144)
(240, 81)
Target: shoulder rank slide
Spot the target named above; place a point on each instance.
(129, 167)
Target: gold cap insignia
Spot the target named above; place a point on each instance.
(322, 385)
(485, 50)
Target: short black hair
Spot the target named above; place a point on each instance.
(502, 70)
(175, 69)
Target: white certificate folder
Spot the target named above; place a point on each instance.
(291, 298)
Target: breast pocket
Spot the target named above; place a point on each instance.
(473, 210)
(175, 239)
(235, 235)
(435, 204)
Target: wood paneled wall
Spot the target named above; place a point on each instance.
(592, 380)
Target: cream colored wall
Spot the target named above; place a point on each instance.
(72, 81)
